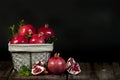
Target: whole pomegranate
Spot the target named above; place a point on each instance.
(46, 30)
(37, 39)
(56, 64)
(26, 29)
(18, 39)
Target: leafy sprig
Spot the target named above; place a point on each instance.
(51, 39)
(13, 29)
(24, 71)
(22, 22)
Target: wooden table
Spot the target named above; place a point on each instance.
(5, 70)
(90, 71)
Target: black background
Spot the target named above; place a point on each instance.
(88, 30)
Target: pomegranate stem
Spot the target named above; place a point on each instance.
(58, 54)
(46, 25)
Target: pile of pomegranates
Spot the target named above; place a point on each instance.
(57, 65)
(27, 34)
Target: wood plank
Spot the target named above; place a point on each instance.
(5, 69)
(116, 69)
(86, 73)
(15, 76)
(97, 71)
(104, 71)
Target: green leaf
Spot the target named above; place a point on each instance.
(28, 36)
(13, 29)
(24, 71)
(51, 39)
(22, 22)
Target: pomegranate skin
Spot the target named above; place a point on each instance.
(56, 65)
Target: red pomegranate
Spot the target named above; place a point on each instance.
(46, 30)
(56, 64)
(18, 39)
(26, 29)
(37, 39)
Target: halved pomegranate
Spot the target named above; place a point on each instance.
(72, 66)
(38, 63)
(37, 70)
(70, 62)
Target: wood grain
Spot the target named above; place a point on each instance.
(15, 76)
(86, 73)
(89, 71)
(104, 71)
(5, 69)
(116, 70)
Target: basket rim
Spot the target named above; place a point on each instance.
(29, 44)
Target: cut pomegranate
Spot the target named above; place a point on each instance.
(40, 63)
(70, 62)
(37, 70)
(72, 66)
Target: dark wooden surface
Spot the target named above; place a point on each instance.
(14, 76)
(5, 70)
(90, 71)
(98, 71)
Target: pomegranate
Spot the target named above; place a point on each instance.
(37, 39)
(46, 30)
(70, 62)
(40, 63)
(38, 68)
(26, 29)
(72, 66)
(56, 64)
(18, 39)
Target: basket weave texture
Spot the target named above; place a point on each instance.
(29, 54)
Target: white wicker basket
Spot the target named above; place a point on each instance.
(28, 54)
